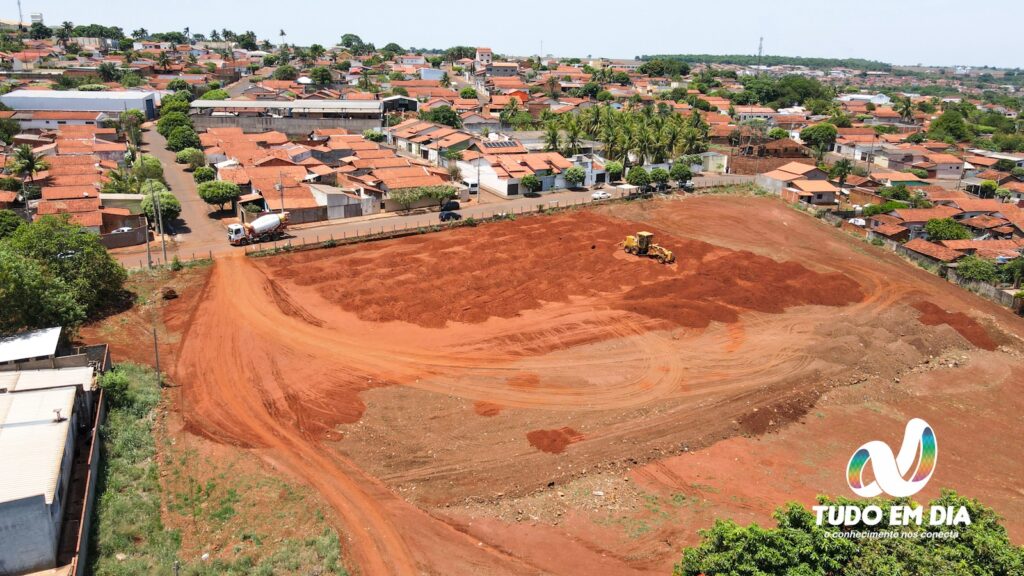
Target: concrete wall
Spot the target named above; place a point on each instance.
(290, 126)
(28, 539)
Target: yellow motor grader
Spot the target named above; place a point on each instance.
(643, 245)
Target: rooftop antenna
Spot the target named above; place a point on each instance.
(21, 19)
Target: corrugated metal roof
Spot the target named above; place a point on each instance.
(297, 105)
(34, 344)
(32, 442)
(21, 381)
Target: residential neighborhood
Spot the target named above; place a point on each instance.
(273, 302)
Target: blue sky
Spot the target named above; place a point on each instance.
(897, 31)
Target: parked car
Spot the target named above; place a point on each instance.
(449, 216)
(450, 205)
(601, 195)
(688, 186)
(122, 230)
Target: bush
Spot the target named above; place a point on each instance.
(183, 137)
(920, 173)
(194, 157)
(10, 184)
(614, 170)
(575, 176)
(9, 222)
(946, 229)
(638, 176)
(974, 268)
(680, 172)
(204, 174)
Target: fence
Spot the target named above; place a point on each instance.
(430, 224)
(986, 290)
(718, 181)
(80, 561)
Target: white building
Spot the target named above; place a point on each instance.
(82, 101)
(37, 430)
(876, 99)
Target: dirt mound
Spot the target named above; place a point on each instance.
(719, 289)
(553, 441)
(519, 265)
(486, 408)
(969, 328)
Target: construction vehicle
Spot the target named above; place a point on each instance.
(643, 245)
(266, 227)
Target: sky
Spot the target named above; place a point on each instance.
(895, 31)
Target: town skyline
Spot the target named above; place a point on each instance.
(795, 31)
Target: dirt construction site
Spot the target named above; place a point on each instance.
(524, 397)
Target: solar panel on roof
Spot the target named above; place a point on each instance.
(503, 144)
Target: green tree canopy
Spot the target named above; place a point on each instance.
(204, 174)
(9, 222)
(218, 192)
(217, 94)
(530, 182)
(32, 296)
(823, 134)
(939, 229)
(194, 157)
(468, 92)
(575, 176)
(148, 167)
(170, 120)
(75, 256)
(798, 546)
(442, 115)
(183, 137)
(681, 172)
(974, 268)
(637, 176)
(614, 169)
(285, 72)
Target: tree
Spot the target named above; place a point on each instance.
(778, 133)
(531, 182)
(680, 172)
(442, 115)
(34, 297)
(1005, 165)
(122, 181)
(148, 167)
(194, 157)
(939, 229)
(39, 31)
(949, 126)
(974, 268)
(170, 207)
(452, 158)
(841, 170)
(176, 85)
(92, 277)
(373, 135)
(406, 197)
(614, 169)
(468, 93)
(637, 176)
(26, 163)
(823, 134)
(218, 192)
(218, 94)
(988, 188)
(169, 121)
(798, 546)
(204, 174)
(285, 72)
(183, 137)
(321, 76)
(575, 176)
(439, 194)
(108, 72)
(9, 222)
(659, 176)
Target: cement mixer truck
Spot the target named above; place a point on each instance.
(266, 227)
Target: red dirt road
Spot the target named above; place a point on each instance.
(405, 377)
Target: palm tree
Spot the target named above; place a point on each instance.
(122, 181)
(26, 163)
(551, 137)
(904, 107)
(840, 170)
(163, 61)
(509, 111)
(573, 136)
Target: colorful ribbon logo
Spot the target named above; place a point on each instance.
(891, 472)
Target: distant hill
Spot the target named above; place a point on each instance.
(750, 60)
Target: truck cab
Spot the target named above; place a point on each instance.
(236, 234)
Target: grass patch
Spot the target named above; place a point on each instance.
(129, 536)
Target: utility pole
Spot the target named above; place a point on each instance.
(760, 51)
(160, 223)
(280, 188)
(149, 257)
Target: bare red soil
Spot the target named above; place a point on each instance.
(422, 386)
(966, 326)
